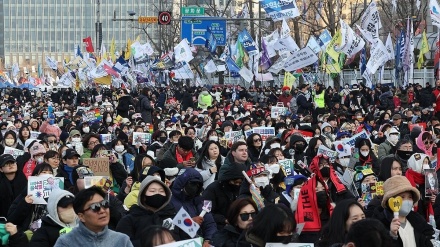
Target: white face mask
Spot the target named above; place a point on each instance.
(365, 153)
(67, 216)
(3, 107)
(426, 167)
(86, 130)
(119, 148)
(275, 145)
(344, 161)
(274, 169)
(213, 138)
(235, 109)
(261, 182)
(39, 160)
(76, 139)
(393, 139)
(280, 131)
(108, 120)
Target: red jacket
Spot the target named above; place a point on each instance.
(436, 93)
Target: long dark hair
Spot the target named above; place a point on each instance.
(335, 230)
(20, 136)
(236, 206)
(205, 154)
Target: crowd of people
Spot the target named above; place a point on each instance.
(204, 149)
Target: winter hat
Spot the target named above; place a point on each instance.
(37, 148)
(340, 134)
(325, 125)
(391, 130)
(292, 181)
(415, 162)
(396, 185)
(286, 88)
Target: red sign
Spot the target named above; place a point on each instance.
(164, 18)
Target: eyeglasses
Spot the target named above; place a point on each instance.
(94, 143)
(245, 216)
(55, 158)
(96, 207)
(257, 140)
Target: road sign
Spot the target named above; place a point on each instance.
(148, 19)
(192, 11)
(194, 28)
(164, 18)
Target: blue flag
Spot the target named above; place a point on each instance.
(232, 67)
(78, 52)
(248, 43)
(400, 46)
(363, 60)
(211, 41)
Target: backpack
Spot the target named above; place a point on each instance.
(293, 105)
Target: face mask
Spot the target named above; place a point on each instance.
(282, 239)
(76, 139)
(109, 109)
(406, 207)
(275, 168)
(344, 161)
(325, 172)
(86, 130)
(346, 86)
(321, 199)
(393, 139)
(40, 160)
(2, 107)
(9, 142)
(235, 109)
(44, 115)
(213, 138)
(261, 182)
(426, 167)
(119, 148)
(365, 153)
(67, 216)
(247, 114)
(280, 131)
(404, 155)
(162, 139)
(155, 201)
(108, 120)
(288, 121)
(191, 189)
(300, 147)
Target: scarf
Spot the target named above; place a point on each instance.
(29, 167)
(421, 145)
(180, 159)
(368, 160)
(69, 171)
(415, 179)
(307, 210)
(314, 166)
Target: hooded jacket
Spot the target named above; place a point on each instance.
(192, 205)
(49, 232)
(146, 109)
(205, 100)
(141, 215)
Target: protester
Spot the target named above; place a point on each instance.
(12, 182)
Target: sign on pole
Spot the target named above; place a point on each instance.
(164, 18)
(194, 28)
(192, 11)
(147, 19)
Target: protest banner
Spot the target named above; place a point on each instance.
(35, 134)
(99, 166)
(233, 136)
(141, 138)
(106, 138)
(13, 151)
(89, 116)
(351, 141)
(195, 242)
(300, 59)
(40, 187)
(276, 111)
(279, 10)
(332, 155)
(421, 125)
(247, 133)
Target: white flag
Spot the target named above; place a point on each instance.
(351, 43)
(389, 46)
(66, 79)
(378, 57)
(370, 22)
(52, 63)
(434, 10)
(183, 52)
(285, 30)
(246, 74)
(148, 49)
(210, 67)
(183, 221)
(286, 45)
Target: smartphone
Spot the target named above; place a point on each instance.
(192, 159)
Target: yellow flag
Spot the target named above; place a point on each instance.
(113, 50)
(330, 49)
(106, 80)
(289, 79)
(138, 38)
(424, 49)
(332, 68)
(128, 50)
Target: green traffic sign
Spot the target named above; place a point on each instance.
(192, 11)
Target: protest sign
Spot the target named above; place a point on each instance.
(351, 141)
(106, 138)
(40, 187)
(276, 111)
(13, 151)
(247, 133)
(287, 166)
(332, 155)
(89, 116)
(431, 183)
(141, 138)
(421, 125)
(264, 132)
(195, 242)
(35, 134)
(99, 166)
(100, 181)
(233, 136)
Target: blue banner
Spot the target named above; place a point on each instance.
(279, 10)
(248, 43)
(232, 67)
(211, 41)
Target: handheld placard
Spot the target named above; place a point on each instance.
(395, 203)
(207, 205)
